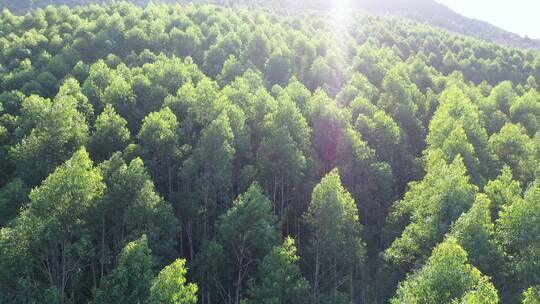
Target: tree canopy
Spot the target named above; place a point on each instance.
(240, 153)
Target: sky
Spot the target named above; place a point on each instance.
(518, 16)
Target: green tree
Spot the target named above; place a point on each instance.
(526, 111)
(368, 180)
(457, 111)
(197, 105)
(216, 55)
(457, 144)
(120, 95)
(385, 136)
(518, 237)
(135, 40)
(170, 286)
(129, 281)
(328, 123)
(373, 61)
(207, 177)
(400, 98)
(186, 43)
(278, 69)
(514, 148)
(531, 296)
(99, 78)
(357, 86)
(71, 87)
(283, 153)
(258, 50)
(321, 75)
(110, 134)
(131, 207)
(54, 131)
(232, 68)
(52, 230)
(13, 196)
(336, 244)
(503, 96)
(299, 94)
(447, 277)
(475, 232)
(247, 233)
(427, 211)
(502, 191)
(280, 279)
(159, 146)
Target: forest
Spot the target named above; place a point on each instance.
(199, 153)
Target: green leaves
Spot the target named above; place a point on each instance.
(249, 226)
(159, 145)
(475, 232)
(336, 243)
(54, 130)
(446, 278)
(428, 210)
(60, 203)
(456, 128)
(283, 154)
(132, 207)
(280, 280)
(54, 227)
(513, 147)
(526, 111)
(221, 102)
(158, 131)
(170, 286)
(278, 69)
(531, 296)
(245, 234)
(129, 281)
(518, 234)
(110, 134)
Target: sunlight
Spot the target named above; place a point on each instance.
(341, 7)
(341, 16)
(341, 12)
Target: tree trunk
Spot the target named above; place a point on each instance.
(274, 195)
(238, 282)
(282, 204)
(335, 276)
(170, 181)
(102, 262)
(190, 240)
(64, 277)
(205, 216)
(351, 283)
(315, 293)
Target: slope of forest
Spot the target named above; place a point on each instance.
(210, 154)
(427, 11)
(439, 15)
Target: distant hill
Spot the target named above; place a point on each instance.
(428, 11)
(440, 15)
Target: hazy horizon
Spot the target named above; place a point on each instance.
(518, 16)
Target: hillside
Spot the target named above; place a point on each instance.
(439, 15)
(428, 11)
(244, 154)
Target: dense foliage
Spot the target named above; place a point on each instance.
(205, 154)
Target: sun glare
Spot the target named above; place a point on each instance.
(340, 11)
(341, 6)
